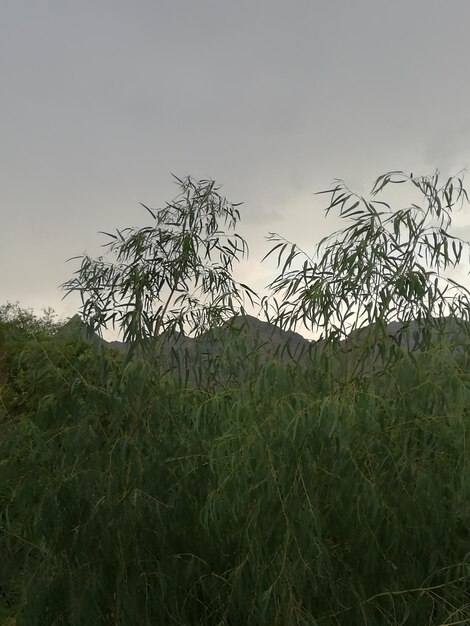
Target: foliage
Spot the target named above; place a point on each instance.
(274, 501)
(38, 362)
(252, 492)
(13, 316)
(384, 265)
(176, 272)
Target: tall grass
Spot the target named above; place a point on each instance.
(130, 496)
(245, 487)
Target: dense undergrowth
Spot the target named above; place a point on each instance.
(235, 488)
(282, 496)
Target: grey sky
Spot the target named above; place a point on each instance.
(101, 100)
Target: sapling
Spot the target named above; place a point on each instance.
(173, 275)
(384, 265)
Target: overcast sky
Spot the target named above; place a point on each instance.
(102, 100)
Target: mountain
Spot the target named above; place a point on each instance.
(411, 335)
(253, 337)
(77, 327)
(256, 333)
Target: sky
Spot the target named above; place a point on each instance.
(102, 101)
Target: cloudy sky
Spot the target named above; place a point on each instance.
(102, 100)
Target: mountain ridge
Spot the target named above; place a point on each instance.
(273, 338)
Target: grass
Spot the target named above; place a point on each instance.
(277, 497)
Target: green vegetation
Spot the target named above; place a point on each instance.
(333, 489)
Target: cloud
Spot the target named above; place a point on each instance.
(263, 217)
(449, 148)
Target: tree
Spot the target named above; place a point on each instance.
(27, 322)
(384, 265)
(174, 274)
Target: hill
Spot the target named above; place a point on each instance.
(255, 341)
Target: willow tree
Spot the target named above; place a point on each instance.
(385, 264)
(175, 274)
